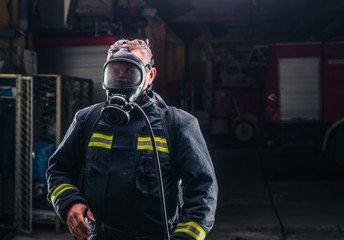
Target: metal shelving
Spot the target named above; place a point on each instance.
(45, 106)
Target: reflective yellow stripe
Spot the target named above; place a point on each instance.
(54, 197)
(157, 139)
(99, 144)
(62, 187)
(144, 147)
(100, 140)
(58, 187)
(99, 135)
(195, 225)
(144, 143)
(185, 227)
(150, 147)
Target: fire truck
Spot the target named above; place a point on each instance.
(295, 99)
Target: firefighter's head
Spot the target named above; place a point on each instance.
(128, 74)
(129, 68)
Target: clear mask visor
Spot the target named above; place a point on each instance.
(122, 75)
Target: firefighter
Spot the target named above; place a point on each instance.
(118, 197)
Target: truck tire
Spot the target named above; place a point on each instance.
(245, 128)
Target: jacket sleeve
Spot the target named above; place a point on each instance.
(200, 187)
(64, 168)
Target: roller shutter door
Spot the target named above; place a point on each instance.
(299, 88)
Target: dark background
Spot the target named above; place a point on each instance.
(278, 178)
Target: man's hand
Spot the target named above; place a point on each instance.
(76, 222)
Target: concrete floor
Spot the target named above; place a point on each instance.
(280, 194)
(265, 194)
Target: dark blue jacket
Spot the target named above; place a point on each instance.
(120, 184)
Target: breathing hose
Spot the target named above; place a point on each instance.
(158, 170)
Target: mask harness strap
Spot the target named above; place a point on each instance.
(158, 170)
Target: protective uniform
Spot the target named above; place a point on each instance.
(120, 182)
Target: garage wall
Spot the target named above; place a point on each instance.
(77, 61)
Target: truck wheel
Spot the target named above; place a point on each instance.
(244, 131)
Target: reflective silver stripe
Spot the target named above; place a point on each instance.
(60, 189)
(158, 144)
(144, 143)
(192, 229)
(102, 140)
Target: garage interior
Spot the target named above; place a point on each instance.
(214, 59)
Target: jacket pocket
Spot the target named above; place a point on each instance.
(146, 178)
(92, 154)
